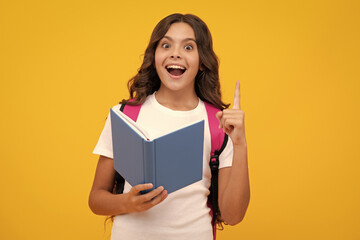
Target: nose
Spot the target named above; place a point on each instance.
(175, 53)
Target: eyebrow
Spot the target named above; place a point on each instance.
(184, 40)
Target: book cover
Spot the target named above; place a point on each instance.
(173, 161)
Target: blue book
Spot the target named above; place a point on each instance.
(173, 161)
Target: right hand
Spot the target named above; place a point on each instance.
(137, 202)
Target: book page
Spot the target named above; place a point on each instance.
(136, 127)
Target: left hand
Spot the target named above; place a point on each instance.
(232, 120)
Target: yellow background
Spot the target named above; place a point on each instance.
(63, 64)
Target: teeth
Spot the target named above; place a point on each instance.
(175, 67)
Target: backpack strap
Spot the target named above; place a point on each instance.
(218, 143)
(133, 113)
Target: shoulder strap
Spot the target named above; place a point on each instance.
(133, 113)
(218, 143)
(217, 135)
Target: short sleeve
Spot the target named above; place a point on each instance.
(104, 144)
(225, 158)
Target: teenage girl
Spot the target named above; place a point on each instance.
(179, 73)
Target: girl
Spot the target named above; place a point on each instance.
(179, 73)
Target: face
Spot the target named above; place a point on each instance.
(177, 59)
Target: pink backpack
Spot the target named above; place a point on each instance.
(218, 143)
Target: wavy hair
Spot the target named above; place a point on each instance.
(207, 85)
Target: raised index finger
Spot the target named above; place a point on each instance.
(237, 96)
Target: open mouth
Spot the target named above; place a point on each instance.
(175, 70)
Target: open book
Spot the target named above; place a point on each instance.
(173, 161)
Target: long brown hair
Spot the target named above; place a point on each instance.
(207, 85)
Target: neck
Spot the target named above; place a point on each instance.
(177, 100)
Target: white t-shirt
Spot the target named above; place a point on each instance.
(184, 213)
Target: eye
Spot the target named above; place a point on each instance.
(165, 45)
(189, 47)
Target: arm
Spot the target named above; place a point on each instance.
(234, 188)
(103, 202)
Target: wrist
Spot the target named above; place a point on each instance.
(240, 144)
(126, 203)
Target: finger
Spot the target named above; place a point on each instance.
(219, 116)
(237, 96)
(159, 198)
(227, 127)
(231, 112)
(141, 187)
(150, 195)
(234, 114)
(233, 123)
(155, 201)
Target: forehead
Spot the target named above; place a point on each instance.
(179, 31)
